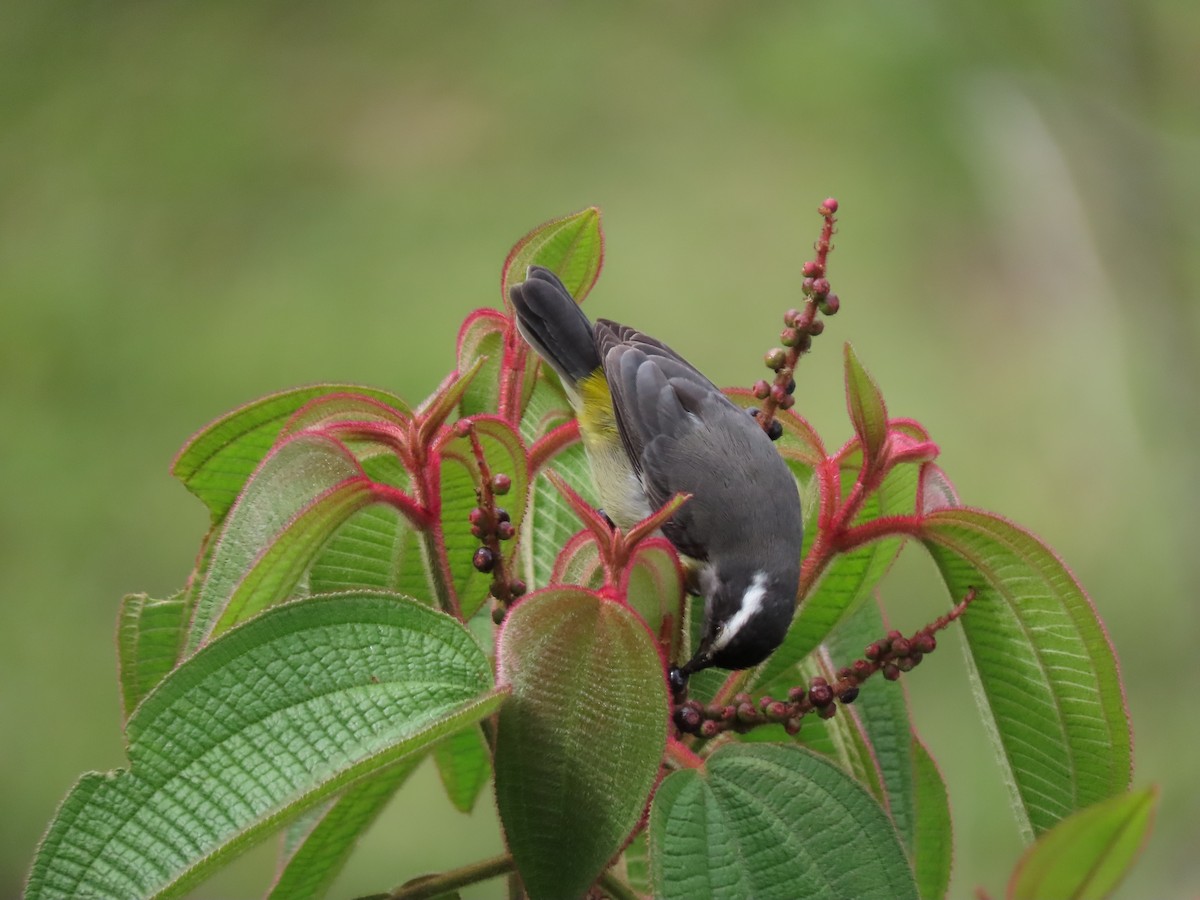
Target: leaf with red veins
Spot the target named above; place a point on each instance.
(354, 417)
(572, 247)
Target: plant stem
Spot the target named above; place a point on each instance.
(616, 888)
(445, 882)
(681, 756)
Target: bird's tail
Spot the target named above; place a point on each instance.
(554, 325)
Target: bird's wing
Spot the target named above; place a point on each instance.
(672, 420)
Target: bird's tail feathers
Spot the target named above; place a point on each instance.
(554, 325)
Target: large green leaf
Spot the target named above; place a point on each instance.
(572, 247)
(150, 638)
(933, 832)
(579, 742)
(215, 463)
(318, 845)
(770, 821)
(261, 724)
(465, 765)
(1045, 673)
(1086, 855)
(300, 494)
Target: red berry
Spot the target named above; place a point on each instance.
(830, 304)
(501, 484)
(505, 531)
(762, 389)
(829, 207)
(820, 287)
(813, 269)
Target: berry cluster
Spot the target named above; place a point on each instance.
(800, 327)
(892, 655)
(491, 524)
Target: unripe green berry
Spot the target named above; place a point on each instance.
(775, 358)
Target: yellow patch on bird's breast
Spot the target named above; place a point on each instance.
(596, 414)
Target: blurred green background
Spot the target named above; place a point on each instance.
(204, 203)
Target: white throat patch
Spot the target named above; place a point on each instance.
(752, 602)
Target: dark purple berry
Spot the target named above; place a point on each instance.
(849, 695)
(774, 430)
(484, 560)
(827, 712)
(505, 531)
(820, 694)
(924, 642)
(791, 386)
(891, 671)
(502, 514)
(796, 694)
(517, 587)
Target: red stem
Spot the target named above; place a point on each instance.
(683, 756)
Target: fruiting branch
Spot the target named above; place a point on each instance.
(892, 655)
(801, 326)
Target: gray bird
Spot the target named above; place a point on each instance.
(653, 426)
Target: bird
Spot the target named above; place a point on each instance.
(652, 426)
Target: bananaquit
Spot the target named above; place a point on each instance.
(652, 426)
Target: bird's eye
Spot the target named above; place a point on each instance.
(720, 629)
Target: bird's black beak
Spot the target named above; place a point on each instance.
(700, 659)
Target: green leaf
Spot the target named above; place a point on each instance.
(842, 738)
(572, 247)
(1086, 855)
(932, 834)
(150, 637)
(1045, 673)
(579, 563)
(546, 408)
(552, 522)
(883, 711)
(376, 548)
(653, 588)
(303, 491)
(261, 724)
(868, 413)
(505, 454)
(320, 845)
(770, 821)
(580, 740)
(215, 463)
(465, 766)
(849, 579)
(482, 335)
